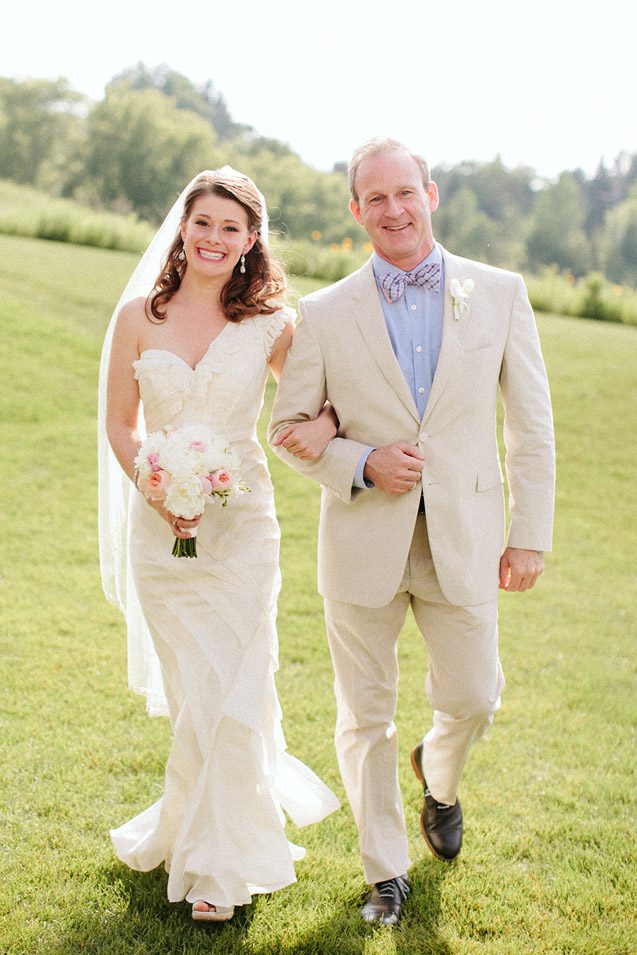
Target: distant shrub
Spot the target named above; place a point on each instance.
(330, 263)
(552, 292)
(28, 212)
(25, 211)
(597, 300)
(590, 297)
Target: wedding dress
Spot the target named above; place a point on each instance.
(219, 827)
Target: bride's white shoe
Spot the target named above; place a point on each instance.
(211, 913)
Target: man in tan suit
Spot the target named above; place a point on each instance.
(411, 351)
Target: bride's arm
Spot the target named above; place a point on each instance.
(123, 404)
(305, 439)
(122, 395)
(308, 439)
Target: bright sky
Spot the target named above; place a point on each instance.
(551, 84)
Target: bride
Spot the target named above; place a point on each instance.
(191, 341)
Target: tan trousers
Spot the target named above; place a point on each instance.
(463, 685)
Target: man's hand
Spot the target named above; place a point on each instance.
(395, 468)
(519, 569)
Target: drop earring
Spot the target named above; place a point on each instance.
(181, 256)
(243, 265)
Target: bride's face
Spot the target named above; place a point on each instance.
(215, 235)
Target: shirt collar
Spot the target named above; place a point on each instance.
(381, 266)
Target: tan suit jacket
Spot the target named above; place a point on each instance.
(342, 352)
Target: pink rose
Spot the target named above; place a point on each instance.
(153, 460)
(221, 480)
(157, 485)
(206, 485)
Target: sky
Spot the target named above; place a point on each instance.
(551, 85)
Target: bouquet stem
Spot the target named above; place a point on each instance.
(185, 548)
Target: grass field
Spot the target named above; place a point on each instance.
(549, 858)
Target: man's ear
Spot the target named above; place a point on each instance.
(432, 193)
(355, 209)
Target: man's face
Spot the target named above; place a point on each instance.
(394, 208)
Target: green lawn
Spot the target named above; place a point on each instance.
(549, 859)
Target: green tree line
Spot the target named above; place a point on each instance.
(154, 129)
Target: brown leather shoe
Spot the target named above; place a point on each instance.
(385, 900)
(441, 825)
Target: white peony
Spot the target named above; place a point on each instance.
(151, 448)
(178, 457)
(185, 498)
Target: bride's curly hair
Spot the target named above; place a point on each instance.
(260, 289)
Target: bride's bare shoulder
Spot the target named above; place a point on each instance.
(132, 311)
(132, 318)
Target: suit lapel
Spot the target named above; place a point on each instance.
(368, 314)
(451, 329)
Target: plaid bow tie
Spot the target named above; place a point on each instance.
(393, 283)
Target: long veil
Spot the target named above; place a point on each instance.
(115, 489)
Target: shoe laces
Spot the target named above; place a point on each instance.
(387, 888)
(439, 805)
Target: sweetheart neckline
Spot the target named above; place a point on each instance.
(168, 351)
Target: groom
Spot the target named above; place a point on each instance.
(411, 351)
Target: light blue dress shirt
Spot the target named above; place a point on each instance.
(414, 324)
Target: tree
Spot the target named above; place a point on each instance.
(40, 131)
(601, 196)
(203, 101)
(482, 211)
(556, 236)
(142, 149)
(460, 224)
(620, 241)
(500, 192)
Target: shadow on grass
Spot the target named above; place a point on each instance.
(144, 923)
(343, 932)
(419, 931)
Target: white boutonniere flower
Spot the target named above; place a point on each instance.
(460, 293)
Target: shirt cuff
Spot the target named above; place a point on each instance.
(359, 480)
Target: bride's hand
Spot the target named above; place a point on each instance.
(308, 439)
(178, 525)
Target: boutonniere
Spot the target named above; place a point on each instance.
(460, 293)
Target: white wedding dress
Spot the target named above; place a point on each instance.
(219, 827)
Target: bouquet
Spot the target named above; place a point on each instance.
(186, 468)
